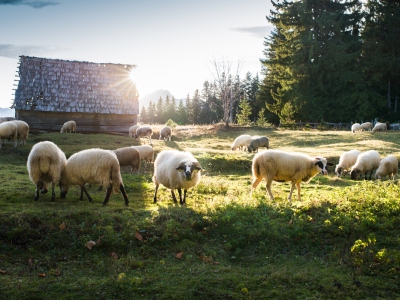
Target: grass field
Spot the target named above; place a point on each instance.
(341, 241)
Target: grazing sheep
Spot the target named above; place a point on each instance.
(46, 163)
(388, 166)
(257, 143)
(144, 131)
(93, 166)
(366, 126)
(69, 126)
(346, 161)
(22, 130)
(356, 127)
(379, 127)
(128, 156)
(366, 162)
(7, 130)
(241, 141)
(146, 153)
(281, 166)
(166, 133)
(176, 170)
(132, 130)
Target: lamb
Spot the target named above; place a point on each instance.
(241, 141)
(128, 156)
(7, 130)
(366, 162)
(93, 166)
(356, 127)
(388, 166)
(144, 131)
(69, 126)
(166, 133)
(379, 127)
(22, 130)
(146, 153)
(346, 161)
(46, 163)
(257, 143)
(132, 130)
(176, 170)
(366, 126)
(285, 166)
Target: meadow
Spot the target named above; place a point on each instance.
(341, 241)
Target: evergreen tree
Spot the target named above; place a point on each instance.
(160, 111)
(196, 106)
(244, 112)
(151, 113)
(181, 114)
(143, 116)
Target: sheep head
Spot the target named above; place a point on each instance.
(321, 163)
(188, 168)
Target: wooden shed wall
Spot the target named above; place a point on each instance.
(85, 122)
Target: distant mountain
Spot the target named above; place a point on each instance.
(7, 112)
(154, 96)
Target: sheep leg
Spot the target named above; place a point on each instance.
(180, 196)
(298, 191)
(173, 196)
(53, 193)
(122, 189)
(291, 191)
(83, 190)
(268, 187)
(108, 193)
(39, 185)
(370, 174)
(155, 193)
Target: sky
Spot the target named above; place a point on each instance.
(172, 42)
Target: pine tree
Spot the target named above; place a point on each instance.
(151, 113)
(159, 112)
(181, 114)
(244, 112)
(143, 116)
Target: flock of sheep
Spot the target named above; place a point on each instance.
(179, 170)
(357, 127)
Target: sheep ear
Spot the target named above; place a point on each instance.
(197, 166)
(181, 167)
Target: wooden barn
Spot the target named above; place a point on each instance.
(99, 97)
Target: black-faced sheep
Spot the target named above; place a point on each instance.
(144, 131)
(146, 153)
(366, 162)
(69, 126)
(95, 166)
(132, 130)
(176, 170)
(128, 156)
(46, 163)
(346, 161)
(8, 130)
(241, 141)
(281, 166)
(257, 142)
(379, 127)
(22, 130)
(388, 166)
(166, 133)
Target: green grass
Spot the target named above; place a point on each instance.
(340, 242)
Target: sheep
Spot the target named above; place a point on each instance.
(379, 127)
(366, 162)
(356, 127)
(144, 131)
(366, 126)
(7, 130)
(146, 153)
(128, 156)
(285, 166)
(46, 162)
(166, 133)
(388, 166)
(346, 161)
(132, 130)
(69, 126)
(257, 143)
(241, 141)
(22, 130)
(176, 170)
(93, 166)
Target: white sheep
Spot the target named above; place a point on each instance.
(46, 163)
(388, 166)
(379, 127)
(69, 126)
(257, 142)
(97, 166)
(7, 130)
(346, 161)
(366, 162)
(241, 141)
(22, 130)
(176, 170)
(144, 131)
(281, 166)
(356, 127)
(128, 156)
(132, 130)
(146, 153)
(166, 133)
(366, 126)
